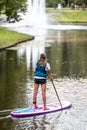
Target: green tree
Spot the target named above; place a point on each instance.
(78, 2)
(2, 3)
(52, 3)
(13, 9)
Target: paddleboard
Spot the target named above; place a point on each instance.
(29, 112)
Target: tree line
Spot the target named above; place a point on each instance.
(64, 3)
(13, 8)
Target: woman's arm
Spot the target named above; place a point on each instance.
(50, 74)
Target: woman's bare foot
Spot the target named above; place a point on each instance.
(46, 108)
(35, 106)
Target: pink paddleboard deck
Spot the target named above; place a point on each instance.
(29, 112)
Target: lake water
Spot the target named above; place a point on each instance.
(66, 51)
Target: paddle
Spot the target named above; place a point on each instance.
(57, 94)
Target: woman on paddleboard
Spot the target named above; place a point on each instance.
(40, 75)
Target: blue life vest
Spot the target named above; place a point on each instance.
(40, 70)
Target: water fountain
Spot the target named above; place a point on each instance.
(35, 18)
(37, 9)
(35, 15)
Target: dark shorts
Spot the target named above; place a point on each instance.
(40, 81)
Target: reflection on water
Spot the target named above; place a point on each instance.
(66, 52)
(31, 53)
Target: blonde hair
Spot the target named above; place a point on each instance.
(42, 56)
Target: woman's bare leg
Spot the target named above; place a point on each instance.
(36, 86)
(43, 87)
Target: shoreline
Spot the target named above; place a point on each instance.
(19, 42)
(11, 38)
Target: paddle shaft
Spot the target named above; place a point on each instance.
(57, 94)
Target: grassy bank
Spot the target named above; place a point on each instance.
(67, 15)
(9, 38)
